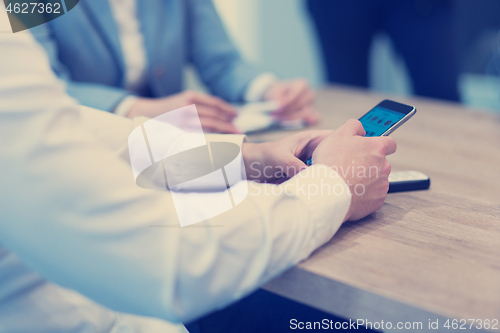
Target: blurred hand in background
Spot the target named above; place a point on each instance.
(296, 99)
(215, 114)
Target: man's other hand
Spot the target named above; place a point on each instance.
(278, 160)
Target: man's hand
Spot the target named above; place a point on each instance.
(215, 114)
(361, 162)
(296, 100)
(278, 160)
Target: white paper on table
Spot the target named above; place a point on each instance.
(258, 116)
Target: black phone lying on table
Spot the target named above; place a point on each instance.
(382, 120)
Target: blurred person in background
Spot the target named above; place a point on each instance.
(128, 57)
(424, 32)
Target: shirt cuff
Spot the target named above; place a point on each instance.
(124, 106)
(258, 87)
(327, 198)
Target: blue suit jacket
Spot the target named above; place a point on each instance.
(84, 49)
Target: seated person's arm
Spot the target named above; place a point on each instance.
(71, 210)
(223, 70)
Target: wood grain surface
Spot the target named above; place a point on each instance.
(437, 250)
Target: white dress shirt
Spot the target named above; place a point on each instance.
(134, 53)
(72, 213)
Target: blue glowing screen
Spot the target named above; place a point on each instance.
(379, 120)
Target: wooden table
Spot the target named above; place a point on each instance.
(425, 255)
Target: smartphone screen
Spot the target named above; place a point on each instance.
(384, 116)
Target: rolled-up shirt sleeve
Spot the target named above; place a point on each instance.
(71, 209)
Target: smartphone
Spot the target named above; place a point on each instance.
(386, 117)
(409, 180)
